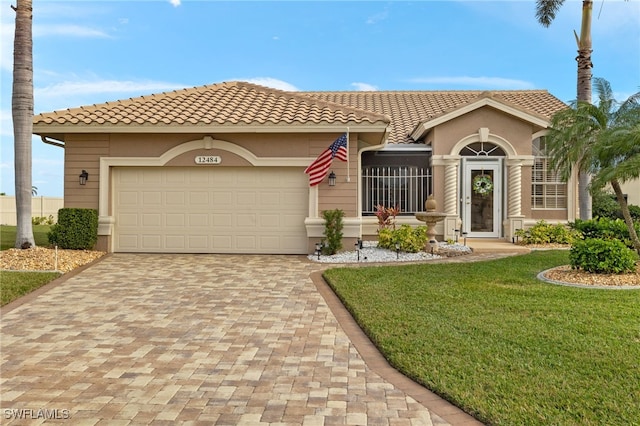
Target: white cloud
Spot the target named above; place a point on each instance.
(364, 87)
(475, 82)
(68, 30)
(175, 3)
(274, 83)
(381, 16)
(74, 93)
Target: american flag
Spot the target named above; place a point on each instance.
(319, 168)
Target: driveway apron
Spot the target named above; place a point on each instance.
(203, 339)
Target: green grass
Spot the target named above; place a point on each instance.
(8, 236)
(14, 284)
(500, 344)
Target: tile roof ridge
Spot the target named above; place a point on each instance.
(300, 95)
(449, 91)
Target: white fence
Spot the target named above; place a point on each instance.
(40, 207)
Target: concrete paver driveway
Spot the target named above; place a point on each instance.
(204, 339)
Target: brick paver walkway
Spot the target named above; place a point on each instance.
(204, 339)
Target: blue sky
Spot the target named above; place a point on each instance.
(88, 52)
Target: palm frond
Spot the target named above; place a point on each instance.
(546, 11)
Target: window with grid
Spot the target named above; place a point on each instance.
(548, 191)
(395, 179)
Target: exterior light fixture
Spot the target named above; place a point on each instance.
(332, 179)
(397, 250)
(84, 176)
(318, 249)
(358, 245)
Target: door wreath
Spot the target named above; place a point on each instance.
(482, 185)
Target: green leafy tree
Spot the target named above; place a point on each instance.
(603, 140)
(546, 11)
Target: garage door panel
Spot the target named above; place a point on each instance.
(210, 209)
(198, 198)
(153, 219)
(198, 220)
(152, 176)
(175, 219)
(174, 198)
(126, 197)
(130, 219)
(222, 220)
(151, 242)
(127, 241)
(222, 243)
(154, 198)
(245, 220)
(176, 241)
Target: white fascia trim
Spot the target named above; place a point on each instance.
(265, 128)
(406, 147)
(422, 128)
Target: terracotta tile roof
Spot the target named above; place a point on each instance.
(233, 104)
(409, 108)
(229, 103)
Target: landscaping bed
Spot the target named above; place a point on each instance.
(44, 259)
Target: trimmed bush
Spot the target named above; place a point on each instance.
(605, 229)
(77, 229)
(602, 256)
(411, 240)
(546, 233)
(332, 231)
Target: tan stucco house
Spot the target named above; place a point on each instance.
(220, 168)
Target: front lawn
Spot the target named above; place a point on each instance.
(8, 236)
(16, 284)
(500, 344)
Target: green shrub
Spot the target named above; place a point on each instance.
(41, 220)
(77, 229)
(602, 256)
(605, 229)
(605, 205)
(546, 233)
(410, 240)
(332, 231)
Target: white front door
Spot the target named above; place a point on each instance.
(482, 198)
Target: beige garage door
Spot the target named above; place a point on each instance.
(210, 209)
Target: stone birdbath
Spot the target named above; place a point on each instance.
(431, 217)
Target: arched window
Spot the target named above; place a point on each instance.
(482, 149)
(548, 191)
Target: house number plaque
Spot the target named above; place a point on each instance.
(208, 159)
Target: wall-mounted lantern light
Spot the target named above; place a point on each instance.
(332, 179)
(83, 177)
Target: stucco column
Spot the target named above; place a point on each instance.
(451, 186)
(515, 188)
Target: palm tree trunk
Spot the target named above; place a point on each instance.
(22, 113)
(584, 94)
(626, 214)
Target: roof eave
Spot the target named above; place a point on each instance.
(49, 129)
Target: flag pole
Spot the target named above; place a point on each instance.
(348, 171)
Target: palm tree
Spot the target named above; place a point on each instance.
(602, 140)
(545, 13)
(22, 112)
